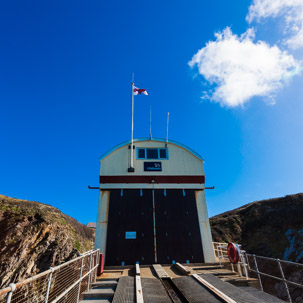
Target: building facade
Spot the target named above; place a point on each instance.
(156, 211)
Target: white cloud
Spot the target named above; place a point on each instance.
(291, 11)
(242, 69)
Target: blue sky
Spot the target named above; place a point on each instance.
(65, 94)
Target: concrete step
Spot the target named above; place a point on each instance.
(237, 281)
(102, 300)
(105, 283)
(207, 267)
(96, 293)
(224, 273)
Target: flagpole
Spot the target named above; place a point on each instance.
(150, 123)
(132, 132)
(167, 129)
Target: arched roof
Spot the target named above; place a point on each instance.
(154, 140)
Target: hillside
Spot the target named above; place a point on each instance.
(36, 236)
(272, 228)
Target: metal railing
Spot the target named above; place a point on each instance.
(222, 255)
(288, 276)
(64, 283)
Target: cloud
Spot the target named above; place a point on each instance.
(241, 69)
(291, 11)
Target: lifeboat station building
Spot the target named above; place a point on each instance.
(155, 210)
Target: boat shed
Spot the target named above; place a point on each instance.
(154, 211)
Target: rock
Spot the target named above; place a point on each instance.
(35, 237)
(270, 228)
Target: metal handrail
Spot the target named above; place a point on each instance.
(221, 252)
(221, 249)
(273, 259)
(45, 285)
(277, 278)
(44, 273)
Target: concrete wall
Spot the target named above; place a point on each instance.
(102, 220)
(206, 237)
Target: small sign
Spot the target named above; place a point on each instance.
(130, 235)
(152, 166)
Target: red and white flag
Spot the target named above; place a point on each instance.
(138, 91)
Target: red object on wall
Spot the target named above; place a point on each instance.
(233, 253)
(101, 265)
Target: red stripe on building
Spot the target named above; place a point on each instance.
(153, 179)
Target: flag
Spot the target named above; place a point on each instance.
(138, 91)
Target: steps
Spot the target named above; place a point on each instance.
(101, 292)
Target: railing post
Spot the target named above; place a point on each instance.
(215, 249)
(81, 270)
(49, 285)
(9, 295)
(239, 269)
(258, 272)
(284, 281)
(247, 262)
(219, 254)
(90, 268)
(244, 264)
(239, 263)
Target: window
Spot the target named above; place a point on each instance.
(152, 153)
(162, 153)
(141, 153)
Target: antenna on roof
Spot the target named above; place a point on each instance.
(150, 123)
(167, 129)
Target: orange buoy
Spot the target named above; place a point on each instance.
(233, 253)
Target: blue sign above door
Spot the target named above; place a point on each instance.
(152, 166)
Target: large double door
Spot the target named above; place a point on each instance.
(153, 226)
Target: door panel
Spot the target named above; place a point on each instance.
(177, 225)
(130, 212)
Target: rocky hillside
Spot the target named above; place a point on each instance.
(272, 228)
(36, 236)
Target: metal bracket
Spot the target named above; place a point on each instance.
(93, 187)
